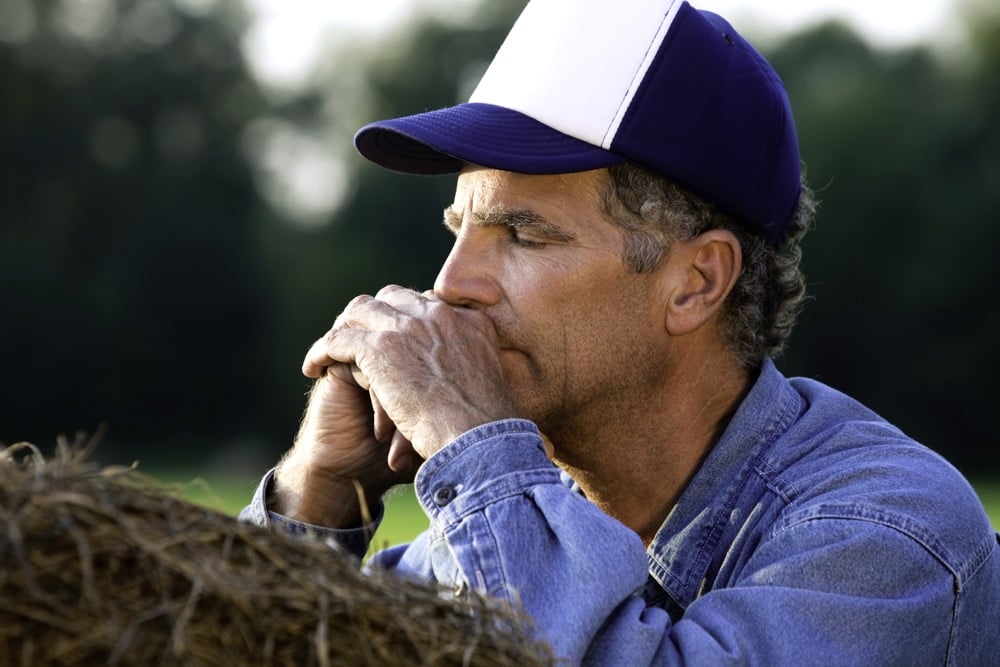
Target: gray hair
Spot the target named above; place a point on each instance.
(759, 314)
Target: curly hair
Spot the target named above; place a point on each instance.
(760, 312)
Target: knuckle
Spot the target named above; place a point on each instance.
(385, 341)
(388, 291)
(356, 302)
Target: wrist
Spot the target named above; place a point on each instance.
(333, 501)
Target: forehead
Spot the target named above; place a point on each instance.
(549, 195)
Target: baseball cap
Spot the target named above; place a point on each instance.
(585, 84)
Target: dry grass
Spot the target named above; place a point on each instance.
(102, 566)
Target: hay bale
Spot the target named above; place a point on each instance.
(101, 566)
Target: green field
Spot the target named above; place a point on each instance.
(404, 519)
(989, 493)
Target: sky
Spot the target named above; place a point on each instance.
(288, 34)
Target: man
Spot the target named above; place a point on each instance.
(587, 399)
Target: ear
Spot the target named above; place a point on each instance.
(704, 271)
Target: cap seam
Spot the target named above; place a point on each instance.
(640, 72)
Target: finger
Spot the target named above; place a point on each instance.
(410, 302)
(348, 337)
(344, 372)
(385, 429)
(394, 294)
(336, 347)
(343, 319)
(401, 454)
(317, 361)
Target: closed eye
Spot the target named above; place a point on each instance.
(526, 228)
(525, 225)
(519, 236)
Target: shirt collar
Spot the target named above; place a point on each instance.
(688, 540)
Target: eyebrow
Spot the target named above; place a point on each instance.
(511, 219)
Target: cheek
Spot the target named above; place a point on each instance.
(558, 307)
(535, 297)
(615, 324)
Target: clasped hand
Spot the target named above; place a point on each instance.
(401, 370)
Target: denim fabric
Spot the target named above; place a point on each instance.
(814, 533)
(353, 540)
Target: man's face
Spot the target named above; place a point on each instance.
(581, 335)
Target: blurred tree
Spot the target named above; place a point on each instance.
(902, 148)
(128, 282)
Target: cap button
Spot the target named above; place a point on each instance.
(444, 495)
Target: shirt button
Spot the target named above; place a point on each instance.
(444, 495)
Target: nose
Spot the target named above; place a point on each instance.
(469, 276)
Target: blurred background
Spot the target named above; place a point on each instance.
(182, 213)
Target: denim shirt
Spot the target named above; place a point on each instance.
(814, 533)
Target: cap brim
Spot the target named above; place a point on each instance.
(442, 141)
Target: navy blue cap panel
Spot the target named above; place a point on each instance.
(710, 116)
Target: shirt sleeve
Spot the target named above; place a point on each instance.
(352, 540)
(504, 523)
